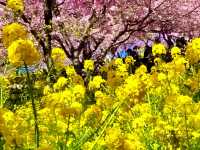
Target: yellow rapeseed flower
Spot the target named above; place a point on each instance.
(193, 51)
(61, 83)
(121, 70)
(118, 61)
(158, 49)
(162, 77)
(175, 51)
(58, 55)
(96, 82)
(141, 70)
(196, 44)
(129, 60)
(158, 61)
(23, 51)
(92, 116)
(12, 32)
(113, 138)
(16, 5)
(77, 107)
(182, 99)
(89, 65)
(103, 100)
(70, 71)
(79, 91)
(180, 64)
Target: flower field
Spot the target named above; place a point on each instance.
(52, 100)
(116, 109)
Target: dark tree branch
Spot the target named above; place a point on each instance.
(191, 11)
(48, 15)
(60, 41)
(93, 19)
(97, 42)
(34, 32)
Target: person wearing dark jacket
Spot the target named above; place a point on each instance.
(148, 58)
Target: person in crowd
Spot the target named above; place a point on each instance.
(133, 52)
(181, 43)
(122, 53)
(170, 42)
(148, 57)
(157, 40)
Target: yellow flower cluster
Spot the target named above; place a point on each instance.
(193, 51)
(129, 60)
(196, 44)
(61, 83)
(113, 138)
(70, 71)
(92, 116)
(133, 88)
(103, 100)
(156, 110)
(59, 57)
(175, 51)
(16, 5)
(121, 68)
(118, 61)
(158, 49)
(22, 52)
(89, 65)
(96, 83)
(13, 32)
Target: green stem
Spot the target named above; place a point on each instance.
(68, 123)
(1, 98)
(186, 127)
(106, 125)
(30, 89)
(4, 72)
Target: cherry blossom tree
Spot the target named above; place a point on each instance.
(87, 29)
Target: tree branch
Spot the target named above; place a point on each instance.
(48, 25)
(191, 11)
(59, 40)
